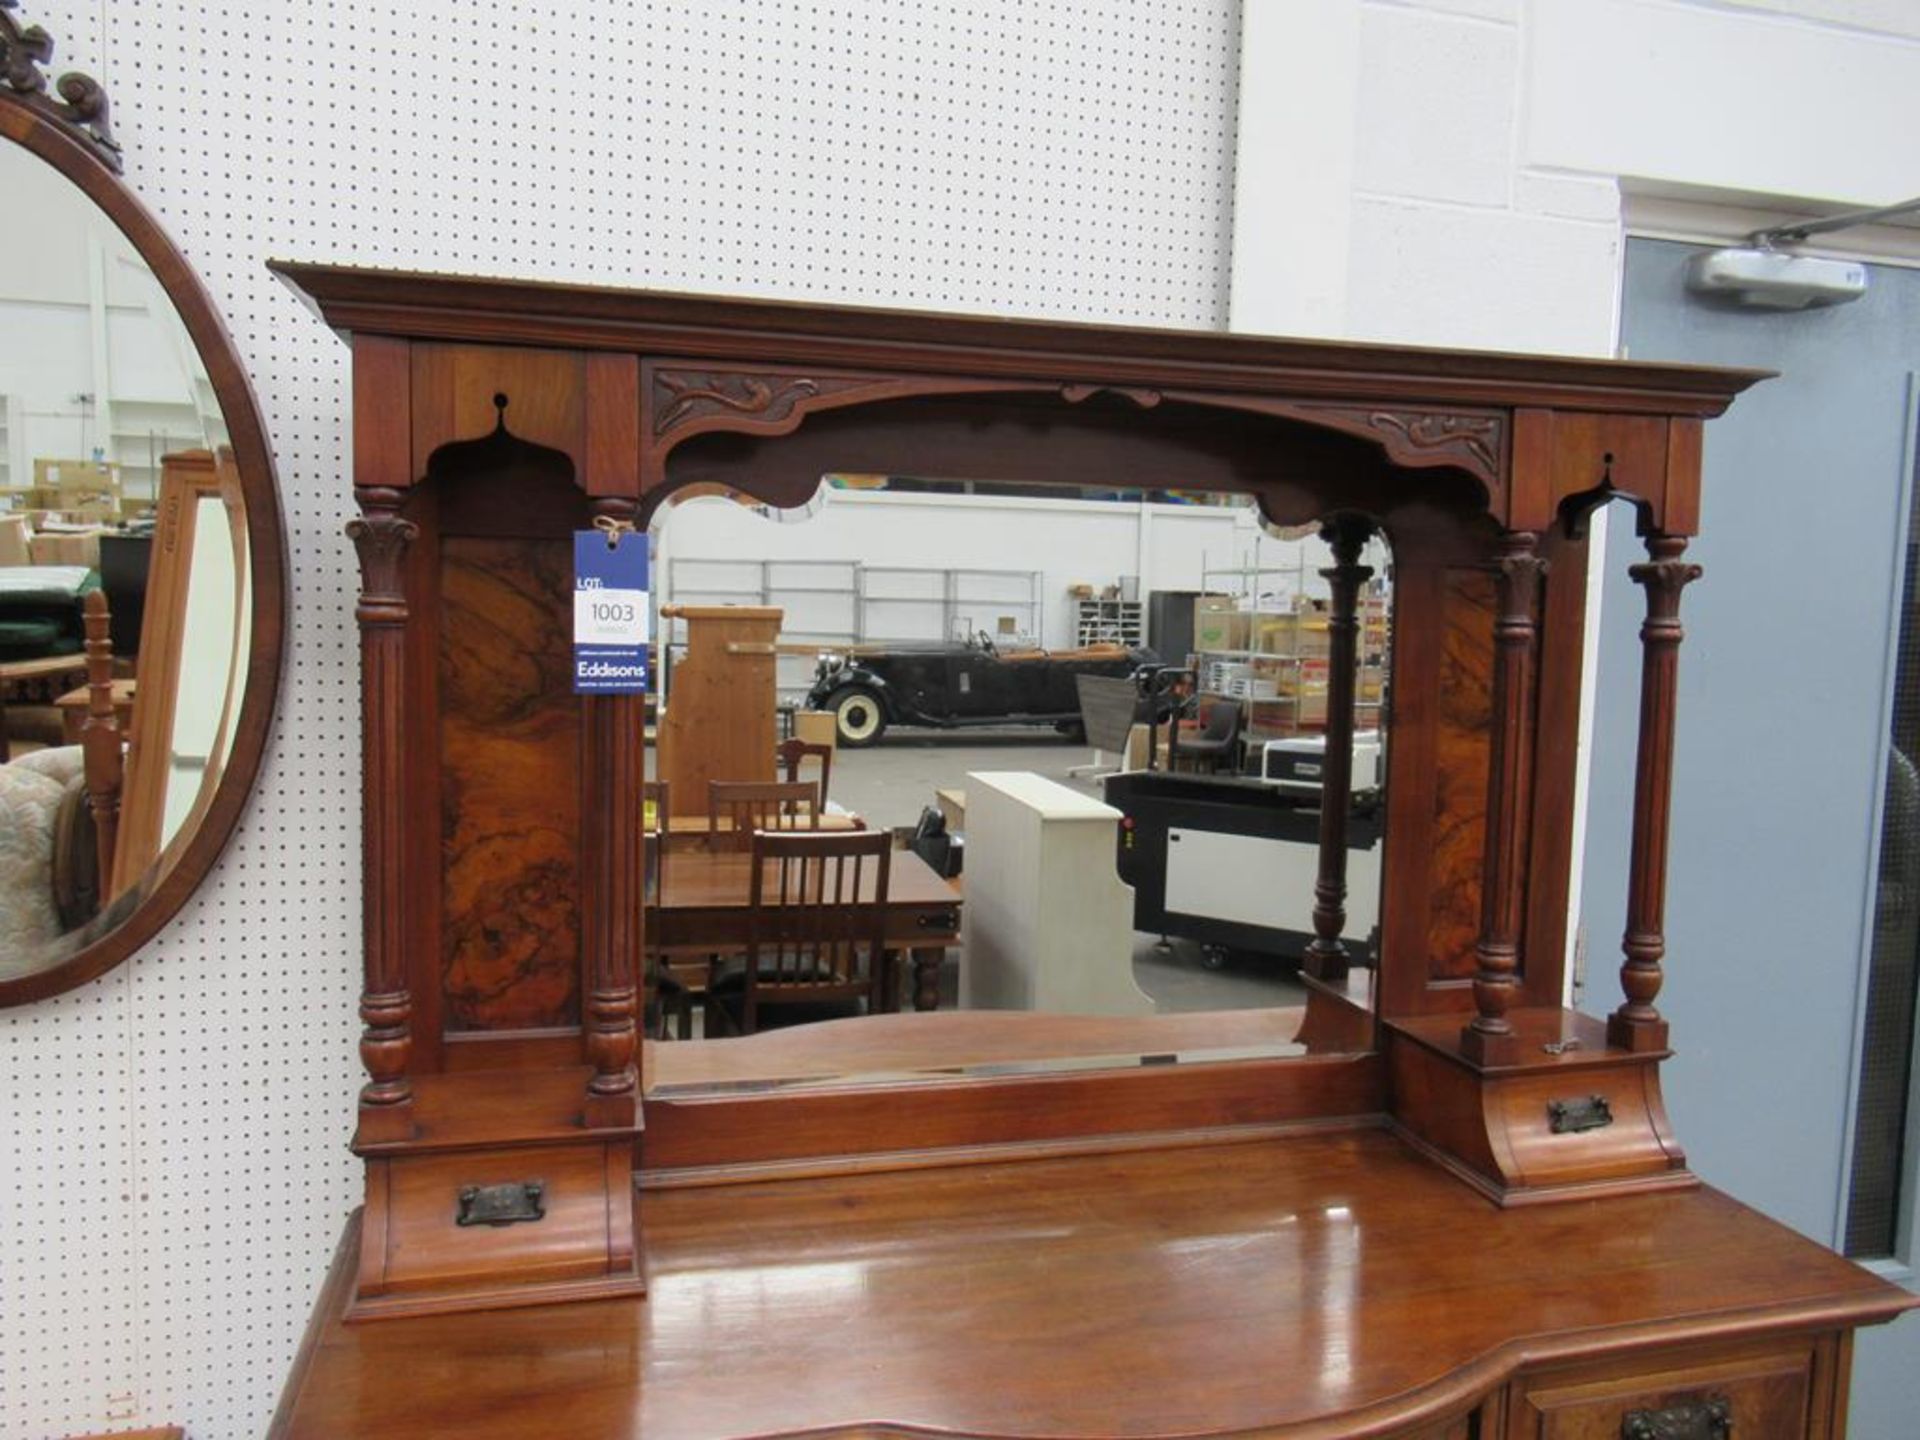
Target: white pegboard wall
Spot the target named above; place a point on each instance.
(178, 1129)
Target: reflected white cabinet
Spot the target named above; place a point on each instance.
(1049, 921)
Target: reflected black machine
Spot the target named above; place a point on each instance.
(1229, 860)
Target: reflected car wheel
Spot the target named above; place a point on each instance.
(858, 717)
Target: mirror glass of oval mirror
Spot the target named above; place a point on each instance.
(1090, 726)
(117, 481)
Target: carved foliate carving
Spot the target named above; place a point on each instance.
(1474, 441)
(381, 537)
(1477, 437)
(81, 104)
(1664, 575)
(682, 397)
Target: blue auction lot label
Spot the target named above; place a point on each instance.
(611, 619)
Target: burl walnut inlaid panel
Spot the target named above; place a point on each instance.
(510, 786)
(1460, 789)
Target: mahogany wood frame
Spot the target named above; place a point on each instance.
(72, 135)
(1477, 467)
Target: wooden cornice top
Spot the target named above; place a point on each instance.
(721, 328)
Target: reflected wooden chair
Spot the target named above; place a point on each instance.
(670, 999)
(790, 755)
(737, 808)
(816, 934)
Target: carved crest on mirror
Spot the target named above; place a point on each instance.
(78, 103)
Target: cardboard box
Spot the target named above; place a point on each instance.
(69, 547)
(76, 477)
(86, 489)
(13, 540)
(1220, 630)
(816, 727)
(1275, 634)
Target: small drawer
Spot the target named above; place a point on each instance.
(1766, 1395)
(1461, 1427)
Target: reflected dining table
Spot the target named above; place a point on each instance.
(701, 900)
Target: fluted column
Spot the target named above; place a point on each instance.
(382, 537)
(1326, 955)
(1489, 1038)
(1637, 1025)
(613, 864)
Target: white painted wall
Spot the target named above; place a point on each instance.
(1449, 172)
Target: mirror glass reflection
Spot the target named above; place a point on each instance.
(116, 482)
(1085, 731)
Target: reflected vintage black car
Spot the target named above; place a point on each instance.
(869, 688)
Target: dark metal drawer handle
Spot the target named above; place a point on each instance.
(938, 920)
(1698, 1420)
(1570, 1117)
(515, 1203)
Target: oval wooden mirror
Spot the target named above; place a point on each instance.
(142, 559)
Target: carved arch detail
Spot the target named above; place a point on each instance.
(682, 399)
(1475, 441)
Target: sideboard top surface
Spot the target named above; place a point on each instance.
(1198, 1290)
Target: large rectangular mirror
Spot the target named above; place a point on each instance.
(1046, 760)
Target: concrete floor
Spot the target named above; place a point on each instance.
(889, 783)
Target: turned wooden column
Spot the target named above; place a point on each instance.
(1489, 1038)
(613, 879)
(1637, 1025)
(381, 537)
(101, 740)
(1326, 955)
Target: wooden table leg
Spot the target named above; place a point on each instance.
(926, 977)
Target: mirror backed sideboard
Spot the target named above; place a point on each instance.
(1446, 1205)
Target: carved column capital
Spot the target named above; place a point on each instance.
(381, 538)
(1664, 575)
(1521, 569)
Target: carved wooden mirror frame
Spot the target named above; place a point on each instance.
(66, 124)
